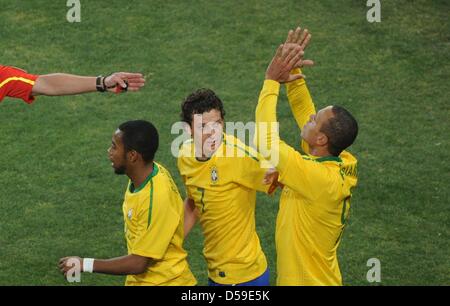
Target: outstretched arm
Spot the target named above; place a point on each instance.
(59, 84)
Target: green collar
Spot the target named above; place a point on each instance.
(148, 179)
(329, 158)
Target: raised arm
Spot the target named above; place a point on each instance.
(267, 137)
(298, 94)
(300, 100)
(296, 171)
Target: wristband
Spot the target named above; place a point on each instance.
(100, 84)
(88, 265)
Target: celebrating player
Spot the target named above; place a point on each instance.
(153, 213)
(318, 185)
(222, 175)
(17, 83)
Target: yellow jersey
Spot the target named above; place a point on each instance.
(315, 200)
(154, 220)
(224, 191)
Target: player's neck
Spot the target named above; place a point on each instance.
(319, 151)
(140, 174)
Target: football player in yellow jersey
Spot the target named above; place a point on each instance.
(153, 212)
(221, 176)
(318, 183)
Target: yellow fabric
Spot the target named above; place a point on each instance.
(315, 201)
(154, 218)
(301, 104)
(224, 191)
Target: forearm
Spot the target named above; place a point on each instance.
(266, 117)
(58, 84)
(125, 265)
(267, 137)
(190, 216)
(300, 100)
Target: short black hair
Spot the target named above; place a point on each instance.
(140, 136)
(341, 130)
(200, 101)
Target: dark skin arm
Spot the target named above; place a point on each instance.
(125, 265)
(190, 215)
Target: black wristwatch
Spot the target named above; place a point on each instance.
(99, 84)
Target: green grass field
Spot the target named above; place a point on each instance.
(59, 195)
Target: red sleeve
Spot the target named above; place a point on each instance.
(16, 83)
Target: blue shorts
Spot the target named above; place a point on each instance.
(263, 280)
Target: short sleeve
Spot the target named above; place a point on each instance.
(17, 83)
(162, 222)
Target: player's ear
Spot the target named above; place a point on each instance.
(132, 156)
(322, 139)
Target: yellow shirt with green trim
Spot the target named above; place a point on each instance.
(315, 201)
(224, 191)
(154, 219)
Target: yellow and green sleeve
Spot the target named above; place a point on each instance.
(157, 233)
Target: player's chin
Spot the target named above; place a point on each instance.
(118, 170)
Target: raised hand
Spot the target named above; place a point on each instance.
(287, 57)
(301, 38)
